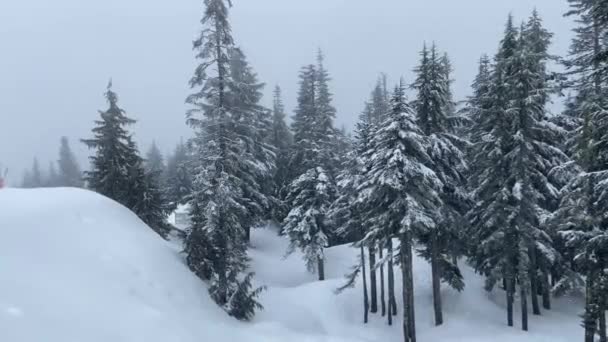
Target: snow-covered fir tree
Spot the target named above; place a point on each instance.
(145, 195)
(222, 168)
(435, 115)
(400, 192)
(516, 149)
(310, 197)
(117, 169)
(178, 180)
(375, 112)
(305, 148)
(314, 164)
(69, 174)
(314, 134)
(328, 138)
(345, 211)
(579, 217)
(112, 143)
(477, 103)
(345, 216)
(253, 127)
(281, 139)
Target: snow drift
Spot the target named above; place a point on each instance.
(79, 267)
(75, 266)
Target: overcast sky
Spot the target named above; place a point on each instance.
(56, 57)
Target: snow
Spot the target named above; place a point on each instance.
(78, 267)
(517, 191)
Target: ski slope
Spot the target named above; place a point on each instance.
(75, 266)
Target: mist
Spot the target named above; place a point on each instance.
(58, 57)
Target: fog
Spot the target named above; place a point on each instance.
(57, 57)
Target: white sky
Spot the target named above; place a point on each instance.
(57, 56)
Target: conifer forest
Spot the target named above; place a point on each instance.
(434, 202)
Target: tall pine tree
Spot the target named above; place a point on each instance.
(436, 118)
(222, 168)
(400, 192)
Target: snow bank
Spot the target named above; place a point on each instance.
(77, 267)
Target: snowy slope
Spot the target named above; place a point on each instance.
(297, 302)
(75, 267)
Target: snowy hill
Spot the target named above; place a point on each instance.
(77, 267)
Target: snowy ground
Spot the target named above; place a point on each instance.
(77, 267)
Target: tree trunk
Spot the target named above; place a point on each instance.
(382, 299)
(365, 298)
(554, 278)
(410, 267)
(602, 320)
(372, 278)
(436, 283)
(546, 290)
(504, 284)
(391, 281)
(405, 289)
(321, 268)
(524, 308)
(409, 317)
(510, 292)
(247, 234)
(590, 318)
(534, 282)
(392, 299)
(393, 303)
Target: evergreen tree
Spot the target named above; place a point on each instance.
(305, 147)
(155, 162)
(400, 192)
(315, 137)
(327, 137)
(253, 126)
(314, 164)
(281, 140)
(435, 115)
(446, 70)
(478, 103)
(516, 151)
(579, 217)
(113, 145)
(343, 215)
(69, 170)
(310, 197)
(222, 168)
(345, 212)
(178, 177)
(117, 169)
(380, 101)
(376, 111)
(149, 201)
